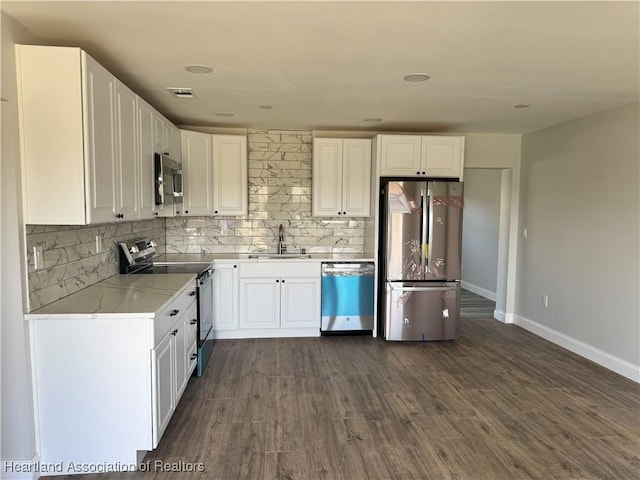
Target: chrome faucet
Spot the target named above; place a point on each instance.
(282, 248)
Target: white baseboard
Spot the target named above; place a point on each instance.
(611, 362)
(500, 316)
(483, 292)
(20, 469)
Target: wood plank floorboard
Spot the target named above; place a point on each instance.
(499, 403)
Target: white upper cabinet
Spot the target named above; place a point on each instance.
(421, 155)
(341, 181)
(87, 140)
(146, 150)
(214, 169)
(127, 158)
(230, 175)
(197, 173)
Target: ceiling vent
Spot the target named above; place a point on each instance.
(181, 92)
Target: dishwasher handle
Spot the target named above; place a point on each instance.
(348, 269)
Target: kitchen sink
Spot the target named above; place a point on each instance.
(280, 255)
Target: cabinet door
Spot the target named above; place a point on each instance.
(160, 134)
(163, 381)
(225, 297)
(99, 124)
(126, 153)
(146, 180)
(356, 177)
(400, 155)
(442, 156)
(230, 175)
(300, 299)
(175, 143)
(326, 195)
(197, 173)
(259, 303)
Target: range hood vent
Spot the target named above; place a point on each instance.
(181, 92)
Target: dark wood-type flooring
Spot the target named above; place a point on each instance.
(499, 403)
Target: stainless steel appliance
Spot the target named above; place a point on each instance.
(420, 259)
(137, 256)
(168, 181)
(347, 297)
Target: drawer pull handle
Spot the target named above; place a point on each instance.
(194, 321)
(194, 356)
(174, 312)
(192, 294)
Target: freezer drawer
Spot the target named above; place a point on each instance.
(422, 311)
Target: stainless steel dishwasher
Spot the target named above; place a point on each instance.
(347, 297)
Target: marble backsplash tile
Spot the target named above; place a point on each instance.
(70, 259)
(279, 193)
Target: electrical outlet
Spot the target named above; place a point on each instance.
(545, 301)
(99, 247)
(38, 257)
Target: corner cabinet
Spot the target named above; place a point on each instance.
(215, 175)
(87, 140)
(106, 385)
(341, 181)
(420, 155)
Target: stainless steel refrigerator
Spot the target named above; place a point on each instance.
(420, 259)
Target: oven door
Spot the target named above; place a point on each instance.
(205, 305)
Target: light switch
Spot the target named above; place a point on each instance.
(38, 257)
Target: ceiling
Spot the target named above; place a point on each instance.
(332, 64)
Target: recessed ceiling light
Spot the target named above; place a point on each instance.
(521, 105)
(224, 114)
(373, 119)
(417, 77)
(201, 69)
(180, 92)
(266, 107)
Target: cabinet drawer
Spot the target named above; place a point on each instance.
(191, 321)
(278, 268)
(166, 317)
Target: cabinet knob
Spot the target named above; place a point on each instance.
(194, 321)
(191, 294)
(215, 211)
(194, 356)
(344, 213)
(424, 173)
(156, 214)
(277, 281)
(174, 312)
(120, 215)
(186, 211)
(339, 213)
(235, 266)
(174, 333)
(417, 173)
(283, 280)
(177, 212)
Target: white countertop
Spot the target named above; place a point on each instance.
(212, 257)
(118, 296)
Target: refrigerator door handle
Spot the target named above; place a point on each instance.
(421, 289)
(424, 241)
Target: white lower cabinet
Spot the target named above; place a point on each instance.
(274, 299)
(225, 297)
(106, 386)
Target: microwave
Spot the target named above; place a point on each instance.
(168, 181)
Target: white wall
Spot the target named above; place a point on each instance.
(18, 437)
(480, 230)
(580, 205)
